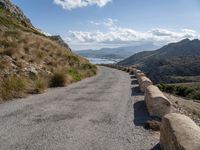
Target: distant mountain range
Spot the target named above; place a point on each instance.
(115, 53)
(170, 62)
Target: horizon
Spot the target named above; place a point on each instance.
(110, 24)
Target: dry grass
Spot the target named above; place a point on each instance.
(12, 87)
(24, 48)
(188, 107)
(40, 85)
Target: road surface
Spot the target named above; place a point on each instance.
(98, 113)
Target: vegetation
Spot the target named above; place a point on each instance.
(170, 64)
(188, 90)
(188, 107)
(12, 87)
(40, 85)
(35, 59)
(75, 75)
(58, 79)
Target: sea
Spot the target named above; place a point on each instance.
(103, 60)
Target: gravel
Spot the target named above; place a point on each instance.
(104, 112)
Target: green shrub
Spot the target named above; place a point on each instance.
(12, 87)
(180, 90)
(76, 76)
(196, 95)
(73, 60)
(58, 79)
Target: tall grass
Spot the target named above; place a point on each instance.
(40, 85)
(12, 87)
(58, 79)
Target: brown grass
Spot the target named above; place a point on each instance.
(28, 48)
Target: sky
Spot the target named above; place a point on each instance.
(94, 24)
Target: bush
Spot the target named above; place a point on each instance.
(196, 95)
(180, 90)
(40, 86)
(58, 79)
(12, 87)
(76, 76)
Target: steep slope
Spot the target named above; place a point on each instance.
(115, 53)
(15, 11)
(29, 60)
(170, 62)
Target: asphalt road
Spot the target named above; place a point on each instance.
(98, 113)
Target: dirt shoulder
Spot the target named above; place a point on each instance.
(186, 106)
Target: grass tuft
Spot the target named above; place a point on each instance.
(40, 86)
(58, 79)
(12, 87)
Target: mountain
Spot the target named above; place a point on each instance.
(30, 60)
(115, 53)
(171, 63)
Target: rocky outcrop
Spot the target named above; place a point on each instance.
(16, 11)
(157, 103)
(179, 132)
(60, 41)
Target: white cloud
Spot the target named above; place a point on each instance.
(126, 36)
(106, 22)
(72, 4)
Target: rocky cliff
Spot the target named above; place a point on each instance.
(16, 11)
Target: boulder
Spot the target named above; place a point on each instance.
(153, 125)
(179, 132)
(157, 104)
(144, 82)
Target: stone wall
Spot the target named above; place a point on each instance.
(144, 82)
(179, 132)
(157, 103)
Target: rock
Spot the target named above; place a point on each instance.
(60, 41)
(153, 125)
(157, 104)
(179, 132)
(15, 10)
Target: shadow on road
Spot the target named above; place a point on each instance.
(157, 147)
(132, 76)
(134, 81)
(141, 114)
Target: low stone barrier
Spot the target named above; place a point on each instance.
(157, 104)
(139, 75)
(179, 132)
(136, 71)
(144, 82)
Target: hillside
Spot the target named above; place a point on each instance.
(115, 53)
(175, 62)
(31, 61)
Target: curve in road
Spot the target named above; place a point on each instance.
(98, 113)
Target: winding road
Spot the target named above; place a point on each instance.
(104, 112)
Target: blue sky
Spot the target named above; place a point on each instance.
(111, 23)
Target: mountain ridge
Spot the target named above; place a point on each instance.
(175, 59)
(115, 53)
